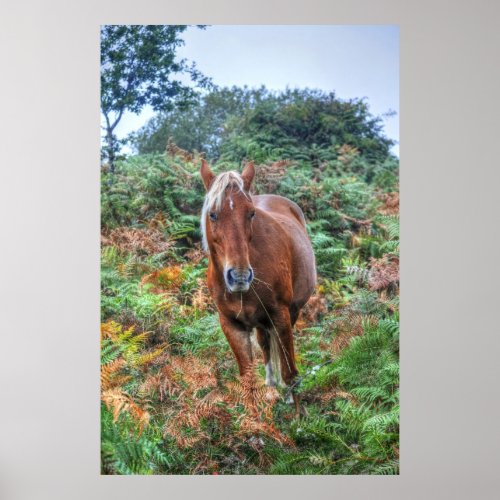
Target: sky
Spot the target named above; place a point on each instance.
(353, 61)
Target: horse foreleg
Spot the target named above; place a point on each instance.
(239, 340)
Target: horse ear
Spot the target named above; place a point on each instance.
(248, 175)
(206, 174)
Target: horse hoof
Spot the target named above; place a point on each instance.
(300, 410)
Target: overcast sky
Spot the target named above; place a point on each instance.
(352, 61)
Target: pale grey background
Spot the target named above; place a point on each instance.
(49, 288)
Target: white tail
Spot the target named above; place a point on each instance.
(275, 358)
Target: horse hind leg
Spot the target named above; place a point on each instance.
(265, 344)
(287, 355)
(289, 370)
(281, 340)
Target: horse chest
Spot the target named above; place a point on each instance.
(237, 309)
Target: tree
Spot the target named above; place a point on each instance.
(233, 124)
(298, 123)
(202, 127)
(139, 67)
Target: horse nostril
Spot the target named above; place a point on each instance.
(231, 276)
(250, 275)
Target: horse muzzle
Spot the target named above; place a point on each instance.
(238, 280)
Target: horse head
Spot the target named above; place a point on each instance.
(227, 224)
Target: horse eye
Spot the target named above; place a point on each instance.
(252, 214)
(213, 216)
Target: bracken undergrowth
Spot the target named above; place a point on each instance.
(172, 401)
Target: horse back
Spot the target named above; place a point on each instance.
(279, 205)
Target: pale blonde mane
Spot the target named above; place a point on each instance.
(215, 197)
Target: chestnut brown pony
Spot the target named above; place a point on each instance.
(261, 269)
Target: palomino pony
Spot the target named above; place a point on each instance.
(261, 269)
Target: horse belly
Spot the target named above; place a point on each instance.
(303, 263)
(292, 233)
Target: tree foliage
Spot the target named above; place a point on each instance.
(199, 128)
(237, 123)
(139, 67)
